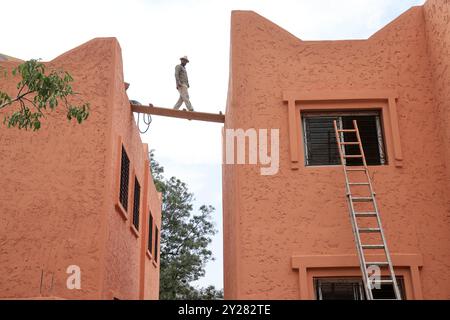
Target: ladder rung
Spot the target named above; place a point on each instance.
(365, 214)
(346, 130)
(359, 169)
(382, 281)
(377, 263)
(353, 156)
(372, 246)
(361, 199)
(358, 183)
(349, 142)
(369, 230)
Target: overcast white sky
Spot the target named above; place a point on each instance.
(153, 35)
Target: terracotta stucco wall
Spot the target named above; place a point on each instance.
(151, 279)
(230, 202)
(303, 212)
(53, 186)
(437, 15)
(123, 270)
(59, 189)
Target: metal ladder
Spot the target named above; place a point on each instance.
(357, 216)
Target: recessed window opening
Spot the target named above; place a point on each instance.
(137, 203)
(351, 288)
(320, 138)
(124, 179)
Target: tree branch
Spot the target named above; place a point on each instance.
(23, 86)
(186, 237)
(18, 98)
(34, 105)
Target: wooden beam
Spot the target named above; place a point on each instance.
(190, 115)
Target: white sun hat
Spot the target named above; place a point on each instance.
(185, 58)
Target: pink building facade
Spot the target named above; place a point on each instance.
(79, 195)
(288, 235)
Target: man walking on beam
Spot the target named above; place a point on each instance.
(182, 84)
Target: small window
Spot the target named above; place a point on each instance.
(150, 233)
(137, 203)
(155, 254)
(320, 138)
(339, 289)
(353, 289)
(124, 179)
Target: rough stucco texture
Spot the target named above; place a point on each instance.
(58, 185)
(268, 219)
(123, 271)
(437, 17)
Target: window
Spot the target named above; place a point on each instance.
(124, 179)
(339, 289)
(353, 289)
(137, 203)
(320, 139)
(150, 233)
(155, 254)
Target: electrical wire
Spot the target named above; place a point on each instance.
(147, 121)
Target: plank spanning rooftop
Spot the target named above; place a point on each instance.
(190, 115)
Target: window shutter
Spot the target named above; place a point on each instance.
(137, 203)
(320, 141)
(150, 233)
(156, 244)
(124, 179)
(321, 147)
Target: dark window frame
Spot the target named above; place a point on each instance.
(136, 203)
(343, 121)
(124, 179)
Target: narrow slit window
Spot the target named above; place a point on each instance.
(124, 179)
(320, 139)
(150, 233)
(156, 244)
(137, 203)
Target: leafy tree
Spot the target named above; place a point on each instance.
(208, 293)
(38, 91)
(185, 238)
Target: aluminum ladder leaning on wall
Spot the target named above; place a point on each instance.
(356, 216)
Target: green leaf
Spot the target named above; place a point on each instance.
(37, 125)
(47, 89)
